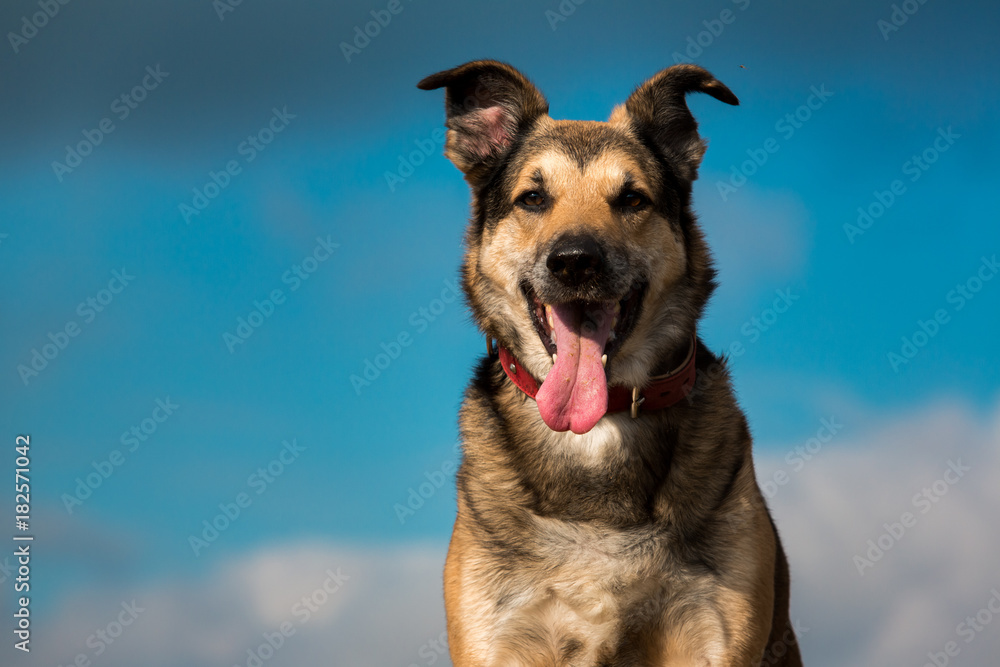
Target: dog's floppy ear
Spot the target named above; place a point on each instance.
(658, 112)
(487, 104)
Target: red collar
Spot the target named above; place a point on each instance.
(662, 392)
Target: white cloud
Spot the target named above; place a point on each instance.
(388, 606)
(941, 569)
(907, 604)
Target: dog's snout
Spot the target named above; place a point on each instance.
(576, 260)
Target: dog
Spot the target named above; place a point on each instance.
(608, 512)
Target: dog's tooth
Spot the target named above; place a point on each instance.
(604, 361)
(618, 308)
(553, 357)
(614, 321)
(548, 316)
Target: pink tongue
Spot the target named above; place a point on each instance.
(574, 395)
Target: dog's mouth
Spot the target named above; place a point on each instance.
(582, 337)
(623, 314)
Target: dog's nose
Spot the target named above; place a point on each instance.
(576, 259)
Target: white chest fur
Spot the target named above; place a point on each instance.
(596, 586)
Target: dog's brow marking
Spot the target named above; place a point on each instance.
(549, 166)
(553, 161)
(615, 175)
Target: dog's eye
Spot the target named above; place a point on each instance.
(533, 199)
(631, 200)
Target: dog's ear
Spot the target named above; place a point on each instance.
(487, 104)
(658, 112)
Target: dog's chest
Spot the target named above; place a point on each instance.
(597, 591)
(611, 475)
(597, 578)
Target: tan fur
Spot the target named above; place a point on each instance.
(644, 541)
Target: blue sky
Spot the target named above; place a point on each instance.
(322, 182)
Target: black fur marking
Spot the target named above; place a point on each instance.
(584, 143)
(733, 474)
(494, 201)
(570, 647)
(674, 195)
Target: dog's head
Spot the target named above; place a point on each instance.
(583, 257)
